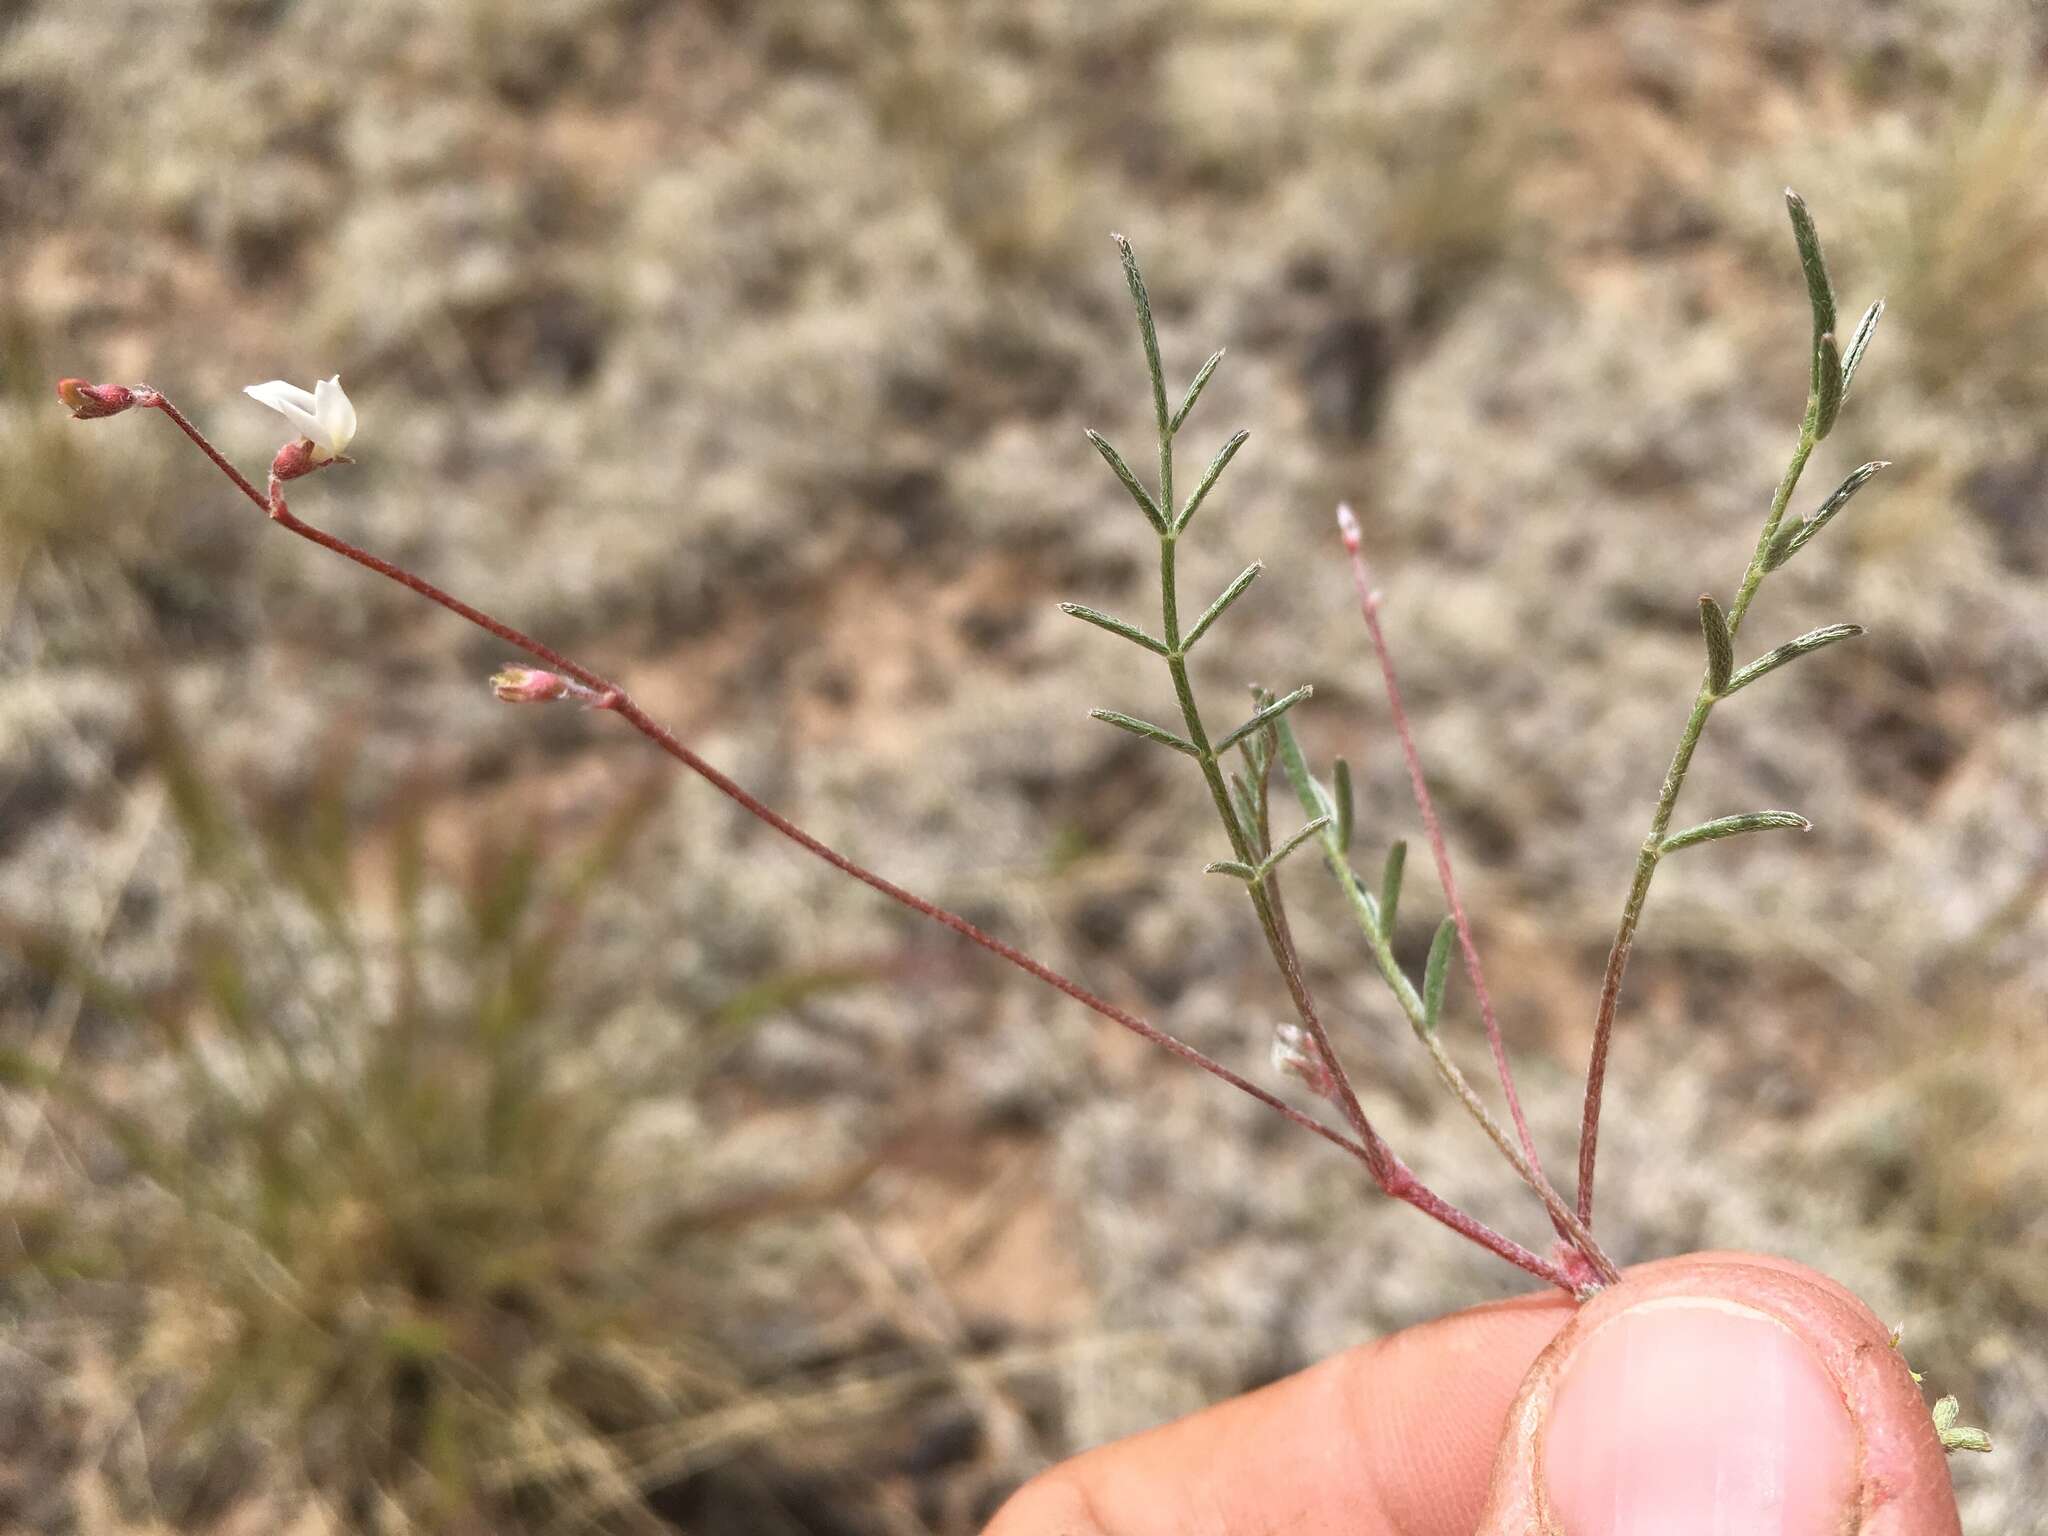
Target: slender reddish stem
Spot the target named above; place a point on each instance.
(1660, 823)
(1389, 1171)
(1369, 608)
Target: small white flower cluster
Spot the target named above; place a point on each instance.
(1295, 1053)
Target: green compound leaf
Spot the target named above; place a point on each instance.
(1794, 536)
(1720, 645)
(1138, 492)
(1195, 389)
(1216, 467)
(1216, 609)
(1735, 826)
(1115, 626)
(1791, 650)
(1145, 729)
(1265, 716)
(1436, 974)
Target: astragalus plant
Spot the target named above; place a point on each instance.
(1261, 837)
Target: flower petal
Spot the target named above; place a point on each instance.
(336, 412)
(291, 402)
(277, 391)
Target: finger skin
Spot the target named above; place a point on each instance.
(1408, 1436)
(1903, 1484)
(1393, 1438)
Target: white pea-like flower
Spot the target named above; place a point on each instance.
(324, 418)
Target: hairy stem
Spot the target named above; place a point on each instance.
(1380, 944)
(1660, 823)
(1240, 843)
(1528, 1164)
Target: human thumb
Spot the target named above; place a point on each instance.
(1721, 1393)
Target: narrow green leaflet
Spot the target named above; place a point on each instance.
(1272, 860)
(1828, 375)
(1820, 292)
(1314, 803)
(1390, 886)
(1964, 1437)
(1247, 807)
(1216, 467)
(1720, 644)
(1437, 973)
(1145, 729)
(1344, 816)
(1257, 746)
(1319, 802)
(1860, 342)
(1148, 332)
(1794, 536)
(1216, 609)
(1265, 716)
(1954, 1436)
(1791, 650)
(1735, 826)
(1138, 492)
(1115, 626)
(1195, 389)
(1245, 872)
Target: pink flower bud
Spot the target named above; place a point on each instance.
(295, 459)
(524, 685)
(88, 402)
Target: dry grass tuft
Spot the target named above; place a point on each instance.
(356, 1180)
(1972, 256)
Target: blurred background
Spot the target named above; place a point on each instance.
(420, 1115)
